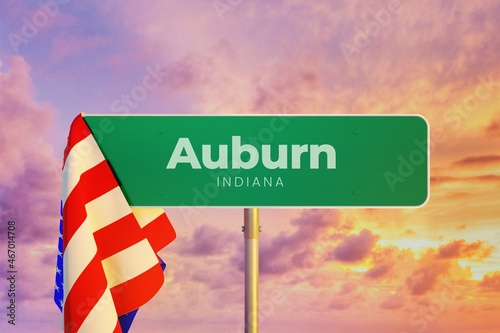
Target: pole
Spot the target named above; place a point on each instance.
(251, 231)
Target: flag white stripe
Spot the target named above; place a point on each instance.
(78, 254)
(129, 263)
(147, 215)
(101, 212)
(103, 317)
(107, 209)
(83, 156)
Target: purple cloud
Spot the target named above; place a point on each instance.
(288, 251)
(355, 248)
(29, 174)
(207, 241)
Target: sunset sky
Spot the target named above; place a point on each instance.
(432, 269)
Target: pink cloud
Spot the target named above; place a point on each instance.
(300, 67)
(29, 182)
(339, 305)
(19, 115)
(355, 248)
(425, 278)
(347, 288)
(288, 251)
(66, 45)
(379, 271)
(187, 73)
(207, 241)
(29, 172)
(393, 302)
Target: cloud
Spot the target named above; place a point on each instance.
(425, 278)
(410, 232)
(188, 73)
(29, 173)
(347, 288)
(458, 196)
(301, 68)
(461, 249)
(379, 271)
(207, 240)
(443, 261)
(66, 45)
(478, 160)
(339, 305)
(439, 180)
(493, 129)
(288, 251)
(30, 190)
(384, 261)
(355, 248)
(224, 277)
(490, 282)
(393, 302)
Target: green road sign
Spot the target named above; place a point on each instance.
(267, 160)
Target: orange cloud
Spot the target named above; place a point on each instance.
(384, 260)
(478, 160)
(460, 249)
(438, 180)
(490, 282)
(443, 261)
(493, 129)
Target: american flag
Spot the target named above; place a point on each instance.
(107, 266)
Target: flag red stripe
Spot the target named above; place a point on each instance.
(118, 328)
(85, 293)
(160, 232)
(136, 292)
(78, 131)
(93, 183)
(118, 236)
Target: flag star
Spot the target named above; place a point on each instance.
(60, 254)
(57, 287)
(58, 271)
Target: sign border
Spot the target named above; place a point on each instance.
(288, 115)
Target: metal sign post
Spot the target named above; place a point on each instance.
(251, 231)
